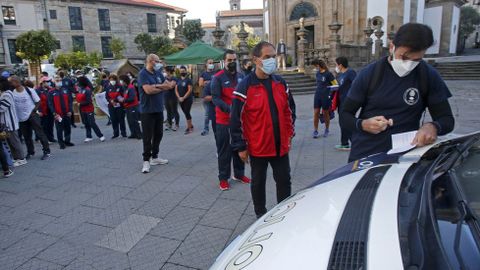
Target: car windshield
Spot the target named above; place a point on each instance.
(456, 203)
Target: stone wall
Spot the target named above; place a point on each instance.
(126, 23)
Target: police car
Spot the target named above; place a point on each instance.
(414, 210)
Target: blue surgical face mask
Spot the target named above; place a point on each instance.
(59, 84)
(269, 66)
(158, 66)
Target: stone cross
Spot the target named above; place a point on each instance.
(301, 33)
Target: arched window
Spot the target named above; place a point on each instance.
(303, 9)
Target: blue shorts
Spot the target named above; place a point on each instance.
(321, 101)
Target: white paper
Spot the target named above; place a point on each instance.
(102, 102)
(401, 142)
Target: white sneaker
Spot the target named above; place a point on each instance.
(102, 139)
(158, 161)
(146, 167)
(88, 140)
(19, 162)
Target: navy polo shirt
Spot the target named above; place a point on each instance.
(345, 82)
(207, 91)
(170, 94)
(395, 98)
(207, 75)
(150, 103)
(324, 80)
(182, 86)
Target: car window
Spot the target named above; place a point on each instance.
(467, 174)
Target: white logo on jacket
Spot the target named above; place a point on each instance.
(411, 96)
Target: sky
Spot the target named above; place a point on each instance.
(206, 9)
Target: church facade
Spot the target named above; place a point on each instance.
(282, 21)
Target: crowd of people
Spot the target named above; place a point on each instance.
(249, 108)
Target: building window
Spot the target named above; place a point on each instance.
(104, 19)
(53, 14)
(58, 46)
(75, 18)
(235, 7)
(106, 50)
(78, 43)
(303, 10)
(12, 49)
(9, 15)
(152, 22)
(172, 21)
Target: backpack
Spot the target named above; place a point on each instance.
(379, 70)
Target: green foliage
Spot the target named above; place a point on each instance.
(117, 46)
(469, 18)
(35, 45)
(252, 40)
(160, 45)
(192, 30)
(77, 60)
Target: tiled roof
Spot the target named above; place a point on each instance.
(242, 12)
(208, 25)
(146, 3)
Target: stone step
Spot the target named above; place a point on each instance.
(459, 70)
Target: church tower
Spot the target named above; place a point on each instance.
(235, 4)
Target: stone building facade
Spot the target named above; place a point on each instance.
(89, 25)
(281, 21)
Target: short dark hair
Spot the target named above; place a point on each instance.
(416, 36)
(320, 63)
(44, 73)
(61, 74)
(228, 51)
(245, 61)
(183, 67)
(83, 82)
(257, 50)
(170, 69)
(125, 79)
(342, 60)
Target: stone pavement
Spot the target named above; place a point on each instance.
(89, 207)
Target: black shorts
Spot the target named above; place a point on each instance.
(321, 100)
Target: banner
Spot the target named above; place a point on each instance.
(102, 102)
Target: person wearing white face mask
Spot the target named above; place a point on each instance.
(393, 94)
(151, 85)
(204, 80)
(114, 95)
(262, 125)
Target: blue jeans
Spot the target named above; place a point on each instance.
(207, 120)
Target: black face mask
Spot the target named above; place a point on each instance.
(232, 67)
(183, 74)
(249, 68)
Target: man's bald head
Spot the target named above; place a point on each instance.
(152, 59)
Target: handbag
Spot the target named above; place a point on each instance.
(4, 132)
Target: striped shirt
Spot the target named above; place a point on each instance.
(8, 113)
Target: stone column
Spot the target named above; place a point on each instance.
(391, 34)
(242, 45)
(379, 42)
(301, 33)
(218, 36)
(368, 40)
(335, 49)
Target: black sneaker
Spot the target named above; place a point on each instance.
(114, 137)
(132, 137)
(8, 173)
(45, 156)
(69, 144)
(62, 146)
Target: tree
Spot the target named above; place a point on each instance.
(78, 60)
(35, 46)
(469, 18)
(161, 45)
(192, 30)
(117, 46)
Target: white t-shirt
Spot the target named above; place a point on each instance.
(24, 103)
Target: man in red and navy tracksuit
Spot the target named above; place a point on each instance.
(46, 116)
(223, 83)
(60, 104)
(262, 125)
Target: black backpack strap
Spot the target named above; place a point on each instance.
(30, 94)
(378, 72)
(423, 81)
